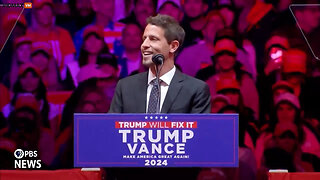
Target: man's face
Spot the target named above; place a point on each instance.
(228, 16)
(44, 15)
(226, 62)
(24, 52)
(286, 113)
(105, 7)
(93, 45)
(154, 42)
(131, 38)
(194, 8)
(29, 82)
(172, 11)
(41, 61)
(214, 24)
(143, 9)
(311, 16)
(84, 7)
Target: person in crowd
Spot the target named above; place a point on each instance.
(141, 11)
(226, 66)
(97, 78)
(244, 54)
(21, 55)
(275, 158)
(230, 88)
(275, 48)
(258, 29)
(26, 130)
(130, 60)
(171, 8)
(294, 71)
(228, 12)
(108, 63)
(18, 24)
(194, 20)
(13, 21)
(189, 59)
(30, 82)
(287, 109)
(92, 46)
(88, 97)
(42, 58)
(44, 29)
(247, 163)
(286, 136)
(104, 12)
(218, 102)
(78, 14)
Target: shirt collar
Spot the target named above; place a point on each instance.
(166, 78)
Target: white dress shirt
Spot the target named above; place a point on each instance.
(164, 86)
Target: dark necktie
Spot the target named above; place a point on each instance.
(154, 96)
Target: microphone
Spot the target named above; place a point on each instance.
(158, 59)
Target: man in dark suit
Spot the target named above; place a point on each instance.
(179, 93)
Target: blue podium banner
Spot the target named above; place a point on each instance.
(155, 140)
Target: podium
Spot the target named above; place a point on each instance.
(155, 140)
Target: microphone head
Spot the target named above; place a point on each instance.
(157, 59)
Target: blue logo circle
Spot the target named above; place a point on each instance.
(18, 153)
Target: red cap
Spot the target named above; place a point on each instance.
(27, 100)
(227, 83)
(282, 84)
(10, 18)
(288, 97)
(93, 29)
(294, 61)
(39, 3)
(280, 40)
(44, 46)
(225, 45)
(25, 66)
(22, 40)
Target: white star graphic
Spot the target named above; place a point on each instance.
(156, 117)
(146, 117)
(161, 117)
(166, 117)
(151, 117)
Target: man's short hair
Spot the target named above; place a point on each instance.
(172, 29)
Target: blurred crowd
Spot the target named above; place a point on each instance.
(258, 59)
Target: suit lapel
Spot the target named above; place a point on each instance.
(173, 91)
(141, 95)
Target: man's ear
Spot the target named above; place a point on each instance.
(174, 45)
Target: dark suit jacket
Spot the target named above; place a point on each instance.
(185, 95)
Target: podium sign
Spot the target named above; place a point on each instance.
(150, 140)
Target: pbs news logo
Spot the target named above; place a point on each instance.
(23, 163)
